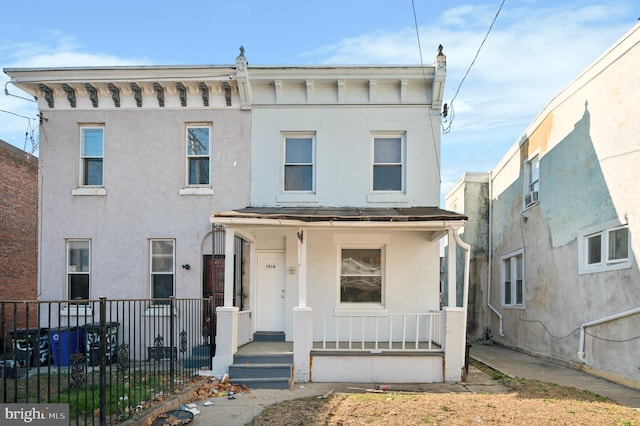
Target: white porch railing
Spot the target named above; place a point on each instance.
(245, 329)
(379, 332)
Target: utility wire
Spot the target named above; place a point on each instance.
(424, 77)
(472, 63)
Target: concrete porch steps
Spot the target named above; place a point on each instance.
(264, 367)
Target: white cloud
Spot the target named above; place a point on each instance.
(59, 50)
(531, 54)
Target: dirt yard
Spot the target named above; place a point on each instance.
(523, 402)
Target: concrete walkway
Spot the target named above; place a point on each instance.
(517, 364)
(244, 407)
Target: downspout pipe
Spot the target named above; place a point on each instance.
(467, 261)
(490, 255)
(613, 317)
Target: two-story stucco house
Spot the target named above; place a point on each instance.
(556, 263)
(324, 180)
(344, 226)
(133, 160)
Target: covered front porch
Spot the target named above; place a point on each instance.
(357, 293)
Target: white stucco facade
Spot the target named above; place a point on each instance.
(340, 112)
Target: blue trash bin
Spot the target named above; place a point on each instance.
(64, 343)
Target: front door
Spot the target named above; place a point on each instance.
(271, 293)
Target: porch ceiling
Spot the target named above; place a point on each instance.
(340, 214)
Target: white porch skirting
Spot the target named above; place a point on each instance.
(378, 368)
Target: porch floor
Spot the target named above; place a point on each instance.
(266, 348)
(287, 347)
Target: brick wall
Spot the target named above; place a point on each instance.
(18, 234)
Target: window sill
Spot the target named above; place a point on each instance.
(159, 311)
(583, 270)
(387, 197)
(305, 197)
(196, 191)
(89, 191)
(521, 307)
(76, 311)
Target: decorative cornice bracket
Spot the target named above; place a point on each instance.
(204, 89)
(159, 93)
(93, 94)
(182, 93)
(71, 94)
(115, 94)
(48, 94)
(137, 94)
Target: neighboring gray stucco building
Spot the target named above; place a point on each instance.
(562, 219)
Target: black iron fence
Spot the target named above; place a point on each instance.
(107, 359)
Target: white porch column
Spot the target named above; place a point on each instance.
(451, 269)
(302, 343)
(226, 339)
(229, 251)
(454, 341)
(227, 315)
(302, 268)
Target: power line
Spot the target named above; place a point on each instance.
(424, 77)
(471, 65)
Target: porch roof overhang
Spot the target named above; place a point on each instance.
(344, 217)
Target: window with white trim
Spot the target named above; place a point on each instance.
(299, 162)
(78, 269)
(513, 279)
(388, 163)
(532, 181)
(162, 263)
(92, 156)
(198, 155)
(361, 275)
(604, 248)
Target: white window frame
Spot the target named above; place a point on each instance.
(72, 270)
(153, 273)
(80, 307)
(402, 164)
(359, 306)
(88, 189)
(299, 135)
(605, 264)
(197, 188)
(509, 277)
(531, 179)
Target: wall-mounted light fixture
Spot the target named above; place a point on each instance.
(186, 266)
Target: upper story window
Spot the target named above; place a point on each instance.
(513, 280)
(92, 156)
(78, 269)
(604, 248)
(162, 269)
(361, 275)
(532, 181)
(299, 163)
(198, 155)
(388, 163)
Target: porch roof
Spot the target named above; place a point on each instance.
(341, 214)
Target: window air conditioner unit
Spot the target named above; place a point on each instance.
(531, 198)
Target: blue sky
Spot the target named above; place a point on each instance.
(534, 49)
